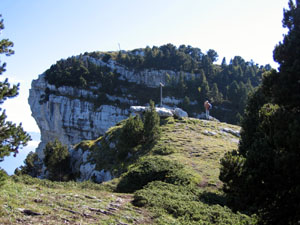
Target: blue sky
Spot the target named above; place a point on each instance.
(46, 31)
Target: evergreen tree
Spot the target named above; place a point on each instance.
(152, 129)
(215, 95)
(263, 176)
(132, 132)
(203, 89)
(223, 64)
(57, 161)
(12, 136)
(32, 165)
(213, 55)
(233, 93)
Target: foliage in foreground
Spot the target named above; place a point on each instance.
(27, 200)
(264, 175)
(12, 137)
(154, 169)
(187, 204)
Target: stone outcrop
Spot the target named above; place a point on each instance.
(161, 111)
(66, 117)
(67, 114)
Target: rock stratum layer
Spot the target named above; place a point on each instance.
(70, 117)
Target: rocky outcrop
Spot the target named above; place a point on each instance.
(68, 118)
(81, 165)
(70, 114)
(161, 111)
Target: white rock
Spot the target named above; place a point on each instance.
(163, 112)
(231, 131)
(180, 113)
(137, 109)
(86, 171)
(69, 120)
(210, 133)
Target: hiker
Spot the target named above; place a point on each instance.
(207, 107)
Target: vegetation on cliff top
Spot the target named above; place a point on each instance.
(198, 78)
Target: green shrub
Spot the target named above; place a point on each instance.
(3, 176)
(185, 204)
(32, 165)
(57, 161)
(152, 129)
(132, 132)
(155, 169)
(165, 150)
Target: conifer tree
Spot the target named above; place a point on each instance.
(57, 161)
(12, 136)
(152, 129)
(263, 176)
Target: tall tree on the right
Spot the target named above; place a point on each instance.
(263, 176)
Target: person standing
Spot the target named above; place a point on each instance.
(207, 107)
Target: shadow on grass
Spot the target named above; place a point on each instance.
(212, 198)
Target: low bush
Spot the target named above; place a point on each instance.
(132, 132)
(165, 150)
(155, 169)
(185, 204)
(3, 176)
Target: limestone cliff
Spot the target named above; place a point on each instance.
(69, 114)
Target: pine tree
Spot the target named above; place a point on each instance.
(263, 176)
(32, 165)
(12, 136)
(152, 129)
(57, 161)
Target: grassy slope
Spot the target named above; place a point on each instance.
(187, 141)
(65, 203)
(198, 149)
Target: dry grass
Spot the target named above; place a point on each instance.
(63, 204)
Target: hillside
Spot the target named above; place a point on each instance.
(81, 97)
(172, 181)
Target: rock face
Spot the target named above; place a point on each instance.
(80, 164)
(67, 118)
(69, 115)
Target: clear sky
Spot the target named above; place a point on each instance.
(46, 31)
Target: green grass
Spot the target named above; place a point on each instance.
(174, 181)
(187, 152)
(187, 205)
(65, 203)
